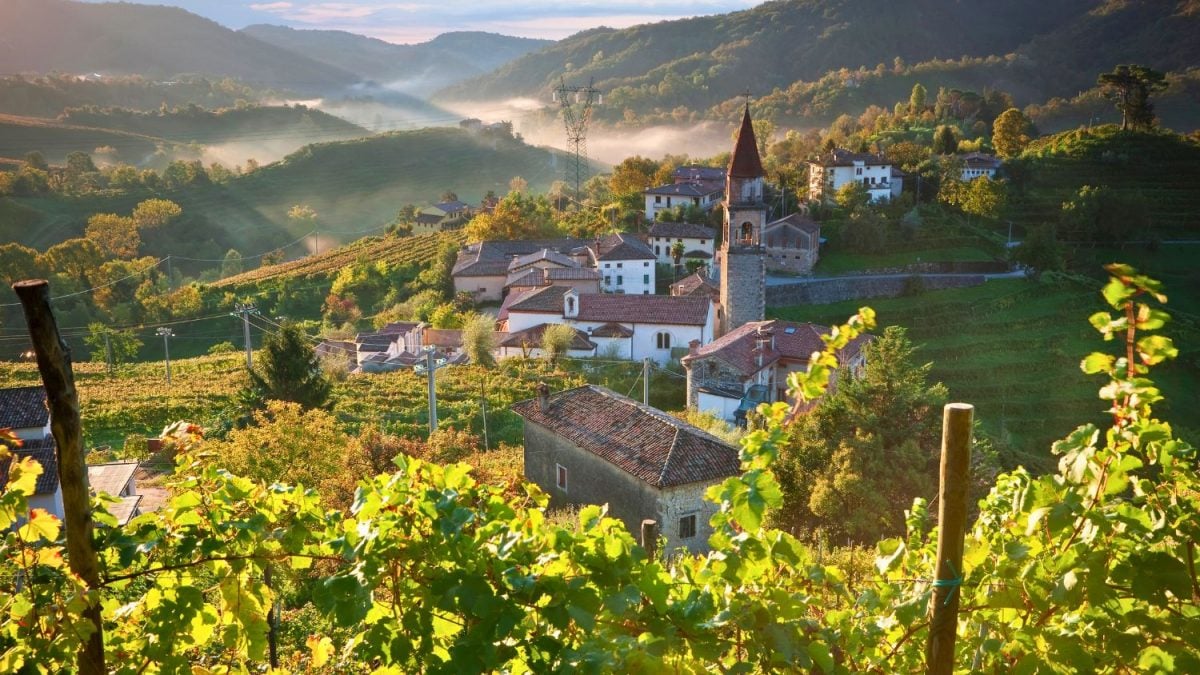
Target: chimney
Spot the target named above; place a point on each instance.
(543, 393)
(693, 347)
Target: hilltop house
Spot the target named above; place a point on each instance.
(24, 411)
(750, 365)
(829, 173)
(700, 186)
(590, 445)
(698, 242)
(626, 326)
(976, 164)
(442, 216)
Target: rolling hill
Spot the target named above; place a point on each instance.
(158, 42)
(355, 187)
(194, 124)
(699, 63)
(55, 140)
(417, 69)
(48, 96)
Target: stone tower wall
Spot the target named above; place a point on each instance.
(743, 292)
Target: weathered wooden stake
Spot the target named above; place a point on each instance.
(957, 419)
(54, 364)
(650, 536)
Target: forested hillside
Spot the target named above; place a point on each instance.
(47, 96)
(416, 69)
(199, 125)
(698, 63)
(158, 42)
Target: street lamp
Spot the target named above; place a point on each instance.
(167, 333)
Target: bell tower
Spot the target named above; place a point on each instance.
(743, 267)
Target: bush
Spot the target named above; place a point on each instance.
(222, 348)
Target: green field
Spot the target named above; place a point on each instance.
(842, 262)
(1012, 348)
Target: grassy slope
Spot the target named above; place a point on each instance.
(55, 140)
(250, 124)
(1162, 168)
(1012, 348)
(354, 186)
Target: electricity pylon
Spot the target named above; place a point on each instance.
(577, 105)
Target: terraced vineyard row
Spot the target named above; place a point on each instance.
(393, 249)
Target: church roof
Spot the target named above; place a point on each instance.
(745, 162)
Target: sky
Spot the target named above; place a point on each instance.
(408, 21)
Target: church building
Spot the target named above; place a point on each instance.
(743, 263)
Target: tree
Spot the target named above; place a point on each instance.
(232, 263)
(74, 258)
(518, 185)
(102, 340)
(631, 177)
(154, 213)
(916, 100)
(449, 196)
(36, 160)
(852, 196)
(19, 262)
(117, 236)
(517, 216)
(866, 447)
(556, 341)
(479, 339)
(1104, 215)
(446, 316)
(1130, 87)
(983, 197)
(288, 370)
(79, 163)
(945, 141)
(865, 231)
(677, 251)
(1040, 251)
(1011, 132)
(303, 215)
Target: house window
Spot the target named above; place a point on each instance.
(645, 278)
(702, 241)
(570, 305)
(663, 340)
(608, 281)
(657, 251)
(606, 265)
(858, 172)
(687, 527)
(619, 265)
(657, 199)
(645, 264)
(620, 280)
(561, 478)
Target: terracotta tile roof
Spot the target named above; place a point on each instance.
(512, 299)
(745, 162)
(571, 274)
(679, 311)
(111, 477)
(525, 278)
(696, 189)
(532, 336)
(546, 255)
(797, 221)
(694, 172)
(695, 284)
(491, 258)
(793, 341)
(681, 231)
(623, 246)
(23, 407)
(611, 330)
(641, 441)
(980, 160)
(41, 450)
(548, 300)
(843, 157)
(336, 348)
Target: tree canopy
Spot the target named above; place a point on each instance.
(288, 370)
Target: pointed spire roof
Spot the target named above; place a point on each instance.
(745, 162)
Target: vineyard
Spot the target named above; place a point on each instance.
(396, 250)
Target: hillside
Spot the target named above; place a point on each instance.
(47, 96)
(155, 41)
(418, 69)
(193, 124)
(698, 63)
(55, 140)
(1161, 168)
(355, 187)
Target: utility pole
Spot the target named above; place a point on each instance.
(108, 352)
(430, 367)
(167, 333)
(245, 311)
(646, 380)
(576, 120)
(170, 275)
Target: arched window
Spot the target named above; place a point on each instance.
(747, 232)
(571, 306)
(663, 340)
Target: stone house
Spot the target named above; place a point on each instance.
(590, 445)
(698, 242)
(792, 244)
(751, 364)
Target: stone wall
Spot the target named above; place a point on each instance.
(826, 291)
(743, 273)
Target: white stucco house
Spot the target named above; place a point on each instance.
(698, 242)
(625, 263)
(828, 173)
(977, 164)
(658, 327)
(24, 411)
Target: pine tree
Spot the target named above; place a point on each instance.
(289, 370)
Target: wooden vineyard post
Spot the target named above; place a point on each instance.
(54, 364)
(957, 419)
(650, 537)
